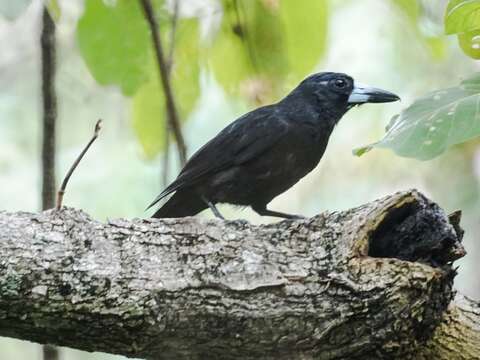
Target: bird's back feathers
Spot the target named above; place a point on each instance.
(244, 139)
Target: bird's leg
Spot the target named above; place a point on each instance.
(213, 208)
(262, 210)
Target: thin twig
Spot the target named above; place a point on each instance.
(172, 113)
(173, 31)
(49, 99)
(61, 192)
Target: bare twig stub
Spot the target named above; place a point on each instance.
(172, 112)
(61, 192)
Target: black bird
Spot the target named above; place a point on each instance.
(266, 151)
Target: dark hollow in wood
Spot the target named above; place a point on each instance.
(416, 232)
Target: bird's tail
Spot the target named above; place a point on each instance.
(182, 203)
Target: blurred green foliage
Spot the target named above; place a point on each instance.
(149, 110)
(262, 43)
(254, 50)
(248, 44)
(412, 9)
(54, 9)
(115, 43)
(304, 48)
(462, 17)
(435, 122)
(12, 9)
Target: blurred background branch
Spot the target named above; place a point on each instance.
(171, 49)
(49, 102)
(49, 97)
(164, 67)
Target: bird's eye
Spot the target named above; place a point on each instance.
(340, 83)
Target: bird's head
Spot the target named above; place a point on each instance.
(339, 92)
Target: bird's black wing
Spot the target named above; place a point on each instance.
(244, 139)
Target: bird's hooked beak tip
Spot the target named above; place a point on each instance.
(366, 94)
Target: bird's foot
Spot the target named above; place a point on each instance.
(265, 212)
(297, 217)
(213, 208)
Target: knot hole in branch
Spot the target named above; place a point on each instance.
(418, 231)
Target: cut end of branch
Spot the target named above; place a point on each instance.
(98, 127)
(417, 230)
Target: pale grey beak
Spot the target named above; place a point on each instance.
(366, 94)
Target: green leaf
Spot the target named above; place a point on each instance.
(435, 122)
(248, 45)
(470, 43)
(115, 43)
(462, 16)
(148, 117)
(410, 7)
(260, 44)
(436, 45)
(361, 150)
(53, 9)
(149, 112)
(11, 9)
(264, 37)
(304, 47)
(228, 58)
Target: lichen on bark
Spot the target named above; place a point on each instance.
(365, 283)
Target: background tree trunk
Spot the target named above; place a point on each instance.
(49, 97)
(368, 283)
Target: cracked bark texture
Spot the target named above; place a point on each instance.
(373, 282)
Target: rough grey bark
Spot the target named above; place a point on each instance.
(458, 335)
(194, 289)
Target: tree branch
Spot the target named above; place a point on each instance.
(458, 335)
(191, 289)
(172, 112)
